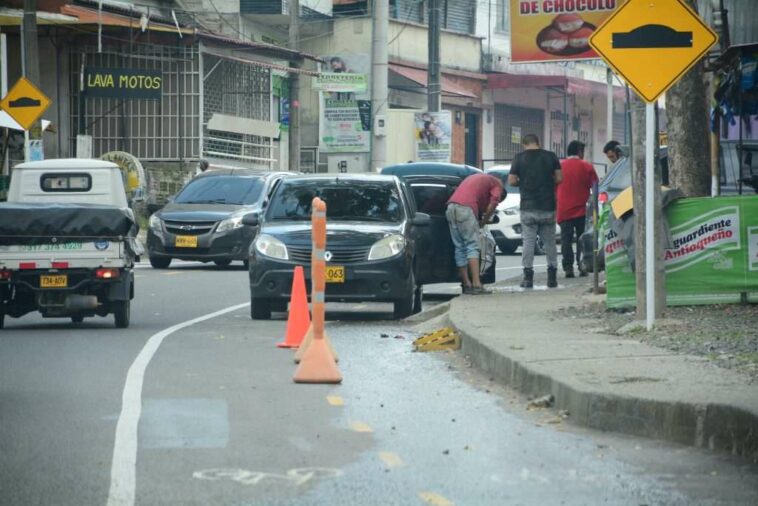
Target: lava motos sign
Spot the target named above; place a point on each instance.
(123, 83)
(713, 256)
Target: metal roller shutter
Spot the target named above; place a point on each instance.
(511, 124)
(459, 15)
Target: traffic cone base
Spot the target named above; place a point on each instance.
(299, 319)
(307, 340)
(317, 365)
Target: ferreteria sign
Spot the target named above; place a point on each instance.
(123, 83)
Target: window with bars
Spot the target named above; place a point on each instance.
(456, 15)
(503, 20)
(164, 129)
(242, 90)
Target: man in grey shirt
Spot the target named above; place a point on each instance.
(536, 171)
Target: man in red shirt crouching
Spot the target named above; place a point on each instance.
(572, 194)
(469, 208)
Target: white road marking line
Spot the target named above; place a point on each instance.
(516, 267)
(124, 466)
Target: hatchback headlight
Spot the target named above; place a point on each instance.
(388, 247)
(511, 211)
(230, 224)
(270, 246)
(156, 223)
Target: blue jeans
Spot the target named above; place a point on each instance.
(464, 230)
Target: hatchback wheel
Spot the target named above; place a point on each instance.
(77, 318)
(222, 263)
(260, 309)
(404, 306)
(418, 300)
(507, 247)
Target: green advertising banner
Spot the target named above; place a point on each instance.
(713, 257)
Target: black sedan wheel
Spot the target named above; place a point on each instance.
(160, 262)
(222, 263)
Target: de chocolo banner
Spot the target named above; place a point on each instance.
(550, 30)
(433, 132)
(713, 256)
(345, 122)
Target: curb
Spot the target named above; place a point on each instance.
(428, 314)
(713, 426)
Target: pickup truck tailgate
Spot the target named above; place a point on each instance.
(66, 255)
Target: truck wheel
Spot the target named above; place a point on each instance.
(260, 309)
(160, 262)
(121, 312)
(77, 318)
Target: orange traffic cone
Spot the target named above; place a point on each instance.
(307, 340)
(317, 365)
(299, 319)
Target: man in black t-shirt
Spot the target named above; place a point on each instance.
(536, 171)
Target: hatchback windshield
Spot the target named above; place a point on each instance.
(345, 200)
(233, 190)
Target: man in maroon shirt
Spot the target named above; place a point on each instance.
(572, 194)
(469, 208)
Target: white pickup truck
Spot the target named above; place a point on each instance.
(67, 242)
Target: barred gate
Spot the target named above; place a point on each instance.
(165, 129)
(243, 90)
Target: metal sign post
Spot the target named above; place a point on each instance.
(652, 44)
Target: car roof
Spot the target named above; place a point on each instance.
(68, 164)
(239, 173)
(430, 169)
(354, 177)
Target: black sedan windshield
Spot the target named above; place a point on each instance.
(345, 201)
(233, 190)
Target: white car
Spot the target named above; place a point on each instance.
(507, 232)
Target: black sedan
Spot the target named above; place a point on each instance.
(373, 238)
(204, 221)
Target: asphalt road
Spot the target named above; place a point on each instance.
(210, 416)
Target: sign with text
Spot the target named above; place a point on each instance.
(123, 83)
(652, 44)
(25, 103)
(345, 123)
(556, 30)
(433, 136)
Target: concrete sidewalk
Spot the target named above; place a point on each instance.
(605, 382)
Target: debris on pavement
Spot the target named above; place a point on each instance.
(541, 402)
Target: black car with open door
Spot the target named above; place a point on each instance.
(431, 185)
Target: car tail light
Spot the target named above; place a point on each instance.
(5, 274)
(106, 273)
(603, 197)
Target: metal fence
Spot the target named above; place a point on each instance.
(165, 129)
(240, 89)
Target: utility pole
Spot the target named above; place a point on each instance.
(30, 70)
(294, 130)
(720, 25)
(379, 92)
(434, 90)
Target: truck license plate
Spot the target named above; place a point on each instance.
(335, 274)
(186, 241)
(53, 281)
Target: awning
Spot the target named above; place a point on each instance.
(572, 85)
(87, 16)
(419, 76)
(14, 17)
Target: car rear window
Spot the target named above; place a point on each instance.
(345, 201)
(233, 190)
(431, 198)
(73, 182)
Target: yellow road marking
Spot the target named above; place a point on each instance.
(391, 459)
(335, 400)
(360, 427)
(172, 273)
(434, 499)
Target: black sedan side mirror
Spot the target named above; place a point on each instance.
(251, 220)
(422, 219)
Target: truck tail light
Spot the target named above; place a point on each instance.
(106, 273)
(27, 265)
(60, 265)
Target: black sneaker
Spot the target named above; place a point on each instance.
(569, 272)
(582, 273)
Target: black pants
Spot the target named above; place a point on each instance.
(568, 228)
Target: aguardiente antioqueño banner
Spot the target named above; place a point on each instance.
(713, 256)
(555, 30)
